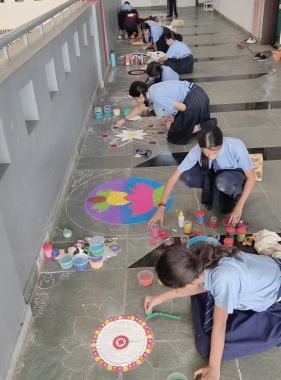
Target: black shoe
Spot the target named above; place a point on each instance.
(263, 58)
(257, 56)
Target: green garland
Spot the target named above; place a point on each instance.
(153, 314)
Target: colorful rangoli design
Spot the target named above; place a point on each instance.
(125, 200)
(117, 137)
(122, 343)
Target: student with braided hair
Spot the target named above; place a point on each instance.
(235, 300)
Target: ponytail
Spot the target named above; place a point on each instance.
(180, 266)
(169, 34)
(154, 71)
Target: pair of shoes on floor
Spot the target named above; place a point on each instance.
(263, 58)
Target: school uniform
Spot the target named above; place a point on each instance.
(165, 95)
(156, 35)
(180, 58)
(169, 74)
(226, 173)
(172, 7)
(249, 288)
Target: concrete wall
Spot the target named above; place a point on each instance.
(239, 11)
(37, 156)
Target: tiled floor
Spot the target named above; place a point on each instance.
(68, 306)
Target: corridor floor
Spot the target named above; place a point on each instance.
(68, 306)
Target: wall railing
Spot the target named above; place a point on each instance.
(23, 31)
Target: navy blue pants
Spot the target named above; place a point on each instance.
(197, 112)
(247, 332)
(182, 65)
(228, 182)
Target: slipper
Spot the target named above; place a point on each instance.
(241, 45)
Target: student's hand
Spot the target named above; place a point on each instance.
(120, 123)
(159, 215)
(150, 302)
(207, 373)
(235, 215)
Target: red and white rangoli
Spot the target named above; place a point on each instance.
(122, 343)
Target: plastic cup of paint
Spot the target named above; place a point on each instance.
(213, 222)
(177, 376)
(145, 277)
(187, 227)
(116, 112)
(98, 112)
(97, 252)
(200, 217)
(96, 243)
(154, 230)
(228, 242)
(126, 111)
(66, 261)
(230, 232)
(242, 223)
(48, 249)
(241, 234)
(96, 262)
(80, 261)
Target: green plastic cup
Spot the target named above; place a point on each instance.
(177, 376)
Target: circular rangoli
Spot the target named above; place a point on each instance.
(122, 343)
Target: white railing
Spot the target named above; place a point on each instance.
(23, 31)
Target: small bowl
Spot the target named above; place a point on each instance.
(66, 261)
(80, 261)
(145, 277)
(177, 376)
(197, 240)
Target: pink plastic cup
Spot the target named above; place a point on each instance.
(154, 230)
(145, 277)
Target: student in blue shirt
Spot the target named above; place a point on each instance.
(155, 33)
(186, 101)
(221, 167)
(158, 73)
(235, 300)
(178, 56)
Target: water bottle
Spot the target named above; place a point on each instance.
(113, 58)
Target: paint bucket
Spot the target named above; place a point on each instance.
(66, 261)
(116, 112)
(66, 233)
(213, 222)
(230, 232)
(107, 110)
(98, 113)
(96, 243)
(200, 217)
(126, 111)
(80, 262)
(177, 376)
(145, 277)
(96, 262)
(154, 230)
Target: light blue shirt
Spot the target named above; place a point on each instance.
(178, 49)
(156, 31)
(126, 7)
(233, 155)
(169, 74)
(165, 95)
(245, 282)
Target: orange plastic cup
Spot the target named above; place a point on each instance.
(145, 277)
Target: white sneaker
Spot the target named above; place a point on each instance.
(251, 40)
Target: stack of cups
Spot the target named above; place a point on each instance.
(96, 251)
(107, 110)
